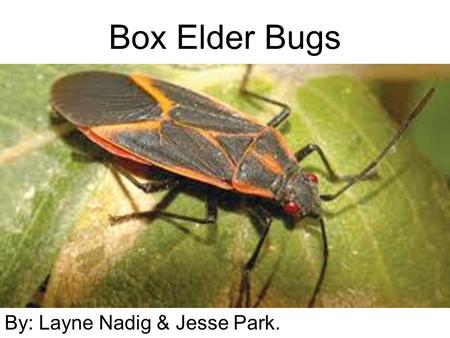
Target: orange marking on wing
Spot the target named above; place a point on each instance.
(267, 160)
(196, 176)
(146, 83)
(282, 141)
(251, 189)
(213, 140)
(117, 128)
(223, 133)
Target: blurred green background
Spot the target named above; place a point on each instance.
(399, 87)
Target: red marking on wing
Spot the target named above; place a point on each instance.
(111, 147)
(122, 152)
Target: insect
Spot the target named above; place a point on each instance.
(160, 124)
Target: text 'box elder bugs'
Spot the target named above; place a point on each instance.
(160, 124)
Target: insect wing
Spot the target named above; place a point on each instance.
(155, 122)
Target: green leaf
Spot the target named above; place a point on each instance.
(432, 133)
(388, 238)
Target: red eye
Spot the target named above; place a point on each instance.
(313, 178)
(292, 207)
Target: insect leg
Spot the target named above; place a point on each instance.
(244, 291)
(323, 267)
(210, 217)
(38, 297)
(310, 148)
(279, 118)
(149, 186)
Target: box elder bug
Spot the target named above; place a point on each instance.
(160, 124)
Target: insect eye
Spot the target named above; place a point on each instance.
(313, 178)
(292, 207)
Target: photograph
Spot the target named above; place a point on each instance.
(224, 185)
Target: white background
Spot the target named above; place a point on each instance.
(298, 323)
(382, 31)
(370, 32)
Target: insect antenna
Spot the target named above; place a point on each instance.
(323, 267)
(355, 179)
